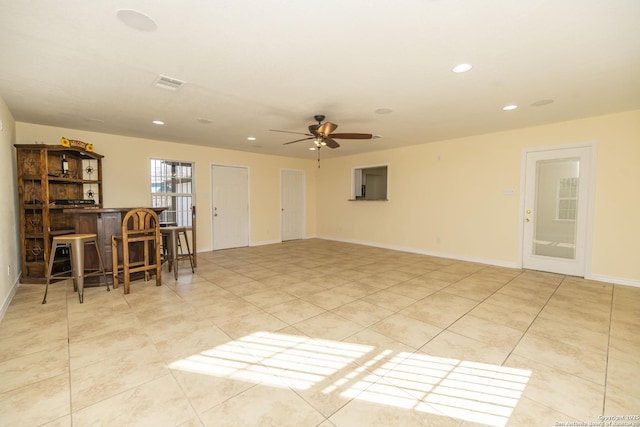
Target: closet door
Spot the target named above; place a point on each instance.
(230, 202)
(292, 204)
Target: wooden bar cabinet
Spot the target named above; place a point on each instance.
(52, 178)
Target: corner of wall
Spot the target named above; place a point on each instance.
(9, 219)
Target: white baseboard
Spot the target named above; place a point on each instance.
(10, 295)
(596, 277)
(265, 242)
(273, 242)
(496, 263)
(614, 280)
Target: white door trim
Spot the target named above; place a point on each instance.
(593, 146)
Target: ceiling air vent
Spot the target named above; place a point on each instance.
(169, 83)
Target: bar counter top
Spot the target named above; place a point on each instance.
(92, 210)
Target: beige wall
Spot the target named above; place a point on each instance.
(448, 197)
(126, 171)
(9, 220)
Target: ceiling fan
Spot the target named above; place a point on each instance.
(322, 134)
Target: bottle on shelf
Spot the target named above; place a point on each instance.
(65, 165)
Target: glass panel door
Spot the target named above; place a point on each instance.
(554, 216)
(556, 201)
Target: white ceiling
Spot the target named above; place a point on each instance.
(255, 65)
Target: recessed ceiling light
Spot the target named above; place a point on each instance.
(136, 20)
(251, 138)
(509, 107)
(158, 122)
(462, 68)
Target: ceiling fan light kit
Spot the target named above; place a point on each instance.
(323, 136)
(322, 133)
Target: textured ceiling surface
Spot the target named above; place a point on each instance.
(370, 66)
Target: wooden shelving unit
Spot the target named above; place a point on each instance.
(43, 187)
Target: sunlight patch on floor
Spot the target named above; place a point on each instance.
(276, 359)
(476, 392)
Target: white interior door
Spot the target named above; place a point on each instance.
(292, 204)
(230, 201)
(556, 207)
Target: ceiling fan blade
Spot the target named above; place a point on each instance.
(326, 128)
(298, 140)
(288, 131)
(352, 135)
(331, 143)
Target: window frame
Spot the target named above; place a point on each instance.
(574, 188)
(179, 209)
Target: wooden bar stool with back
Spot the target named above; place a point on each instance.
(140, 247)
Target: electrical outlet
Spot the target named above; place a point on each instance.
(9, 270)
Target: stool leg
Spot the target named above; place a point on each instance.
(173, 249)
(52, 255)
(165, 250)
(104, 274)
(114, 262)
(186, 242)
(125, 267)
(168, 240)
(77, 262)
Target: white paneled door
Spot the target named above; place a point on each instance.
(230, 204)
(556, 210)
(292, 204)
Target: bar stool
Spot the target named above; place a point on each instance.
(140, 241)
(171, 235)
(75, 243)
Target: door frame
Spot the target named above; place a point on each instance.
(304, 202)
(592, 146)
(211, 200)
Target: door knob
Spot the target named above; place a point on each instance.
(528, 211)
(528, 219)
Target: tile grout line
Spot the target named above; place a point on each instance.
(66, 304)
(443, 329)
(606, 370)
(472, 308)
(534, 319)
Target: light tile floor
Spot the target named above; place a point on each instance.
(321, 333)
